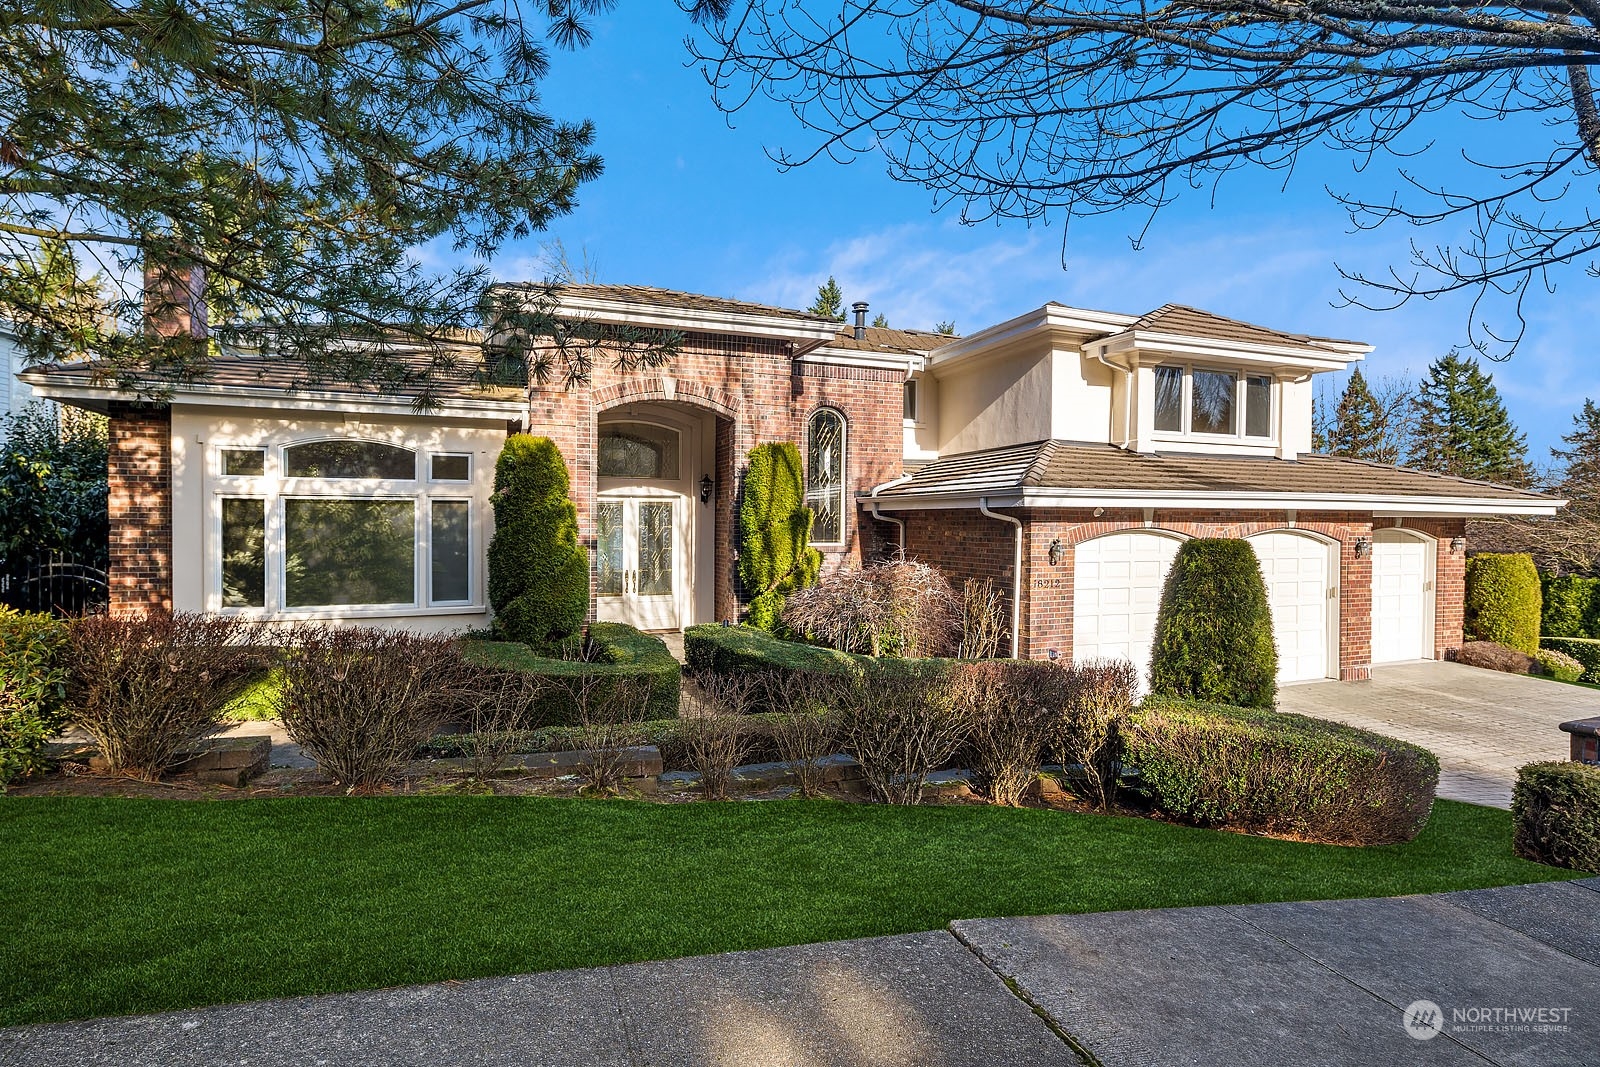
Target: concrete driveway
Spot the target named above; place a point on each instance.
(1481, 724)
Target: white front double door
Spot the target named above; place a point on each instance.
(638, 550)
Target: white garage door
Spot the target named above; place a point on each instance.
(1399, 597)
(1296, 568)
(1116, 595)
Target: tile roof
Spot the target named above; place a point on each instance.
(1193, 322)
(651, 295)
(1046, 465)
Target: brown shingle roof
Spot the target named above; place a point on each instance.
(883, 339)
(232, 371)
(1066, 465)
(651, 295)
(1193, 322)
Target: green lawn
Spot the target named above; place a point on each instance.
(115, 906)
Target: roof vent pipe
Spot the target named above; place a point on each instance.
(860, 308)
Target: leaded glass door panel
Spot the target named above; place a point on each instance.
(637, 549)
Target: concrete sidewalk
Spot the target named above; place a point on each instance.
(1267, 984)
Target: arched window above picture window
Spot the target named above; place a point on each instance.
(350, 459)
(825, 475)
(638, 450)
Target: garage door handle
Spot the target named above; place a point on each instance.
(1333, 592)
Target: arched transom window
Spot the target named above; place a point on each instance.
(638, 450)
(825, 476)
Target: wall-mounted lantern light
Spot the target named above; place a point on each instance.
(1053, 653)
(1363, 547)
(1458, 545)
(1055, 552)
(706, 488)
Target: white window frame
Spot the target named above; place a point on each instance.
(273, 488)
(913, 390)
(844, 467)
(1242, 376)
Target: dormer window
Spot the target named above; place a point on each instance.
(1214, 403)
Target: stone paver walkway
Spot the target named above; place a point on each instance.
(1481, 724)
(1263, 985)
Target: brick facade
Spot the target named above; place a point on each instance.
(139, 502)
(965, 544)
(757, 393)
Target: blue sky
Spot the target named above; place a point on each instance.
(690, 200)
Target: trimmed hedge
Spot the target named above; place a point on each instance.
(33, 689)
(748, 649)
(538, 573)
(1213, 637)
(1571, 606)
(1281, 774)
(1555, 813)
(1585, 650)
(1503, 600)
(624, 652)
(775, 553)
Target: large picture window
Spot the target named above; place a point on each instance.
(825, 480)
(339, 525)
(1212, 403)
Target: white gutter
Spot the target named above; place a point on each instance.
(873, 506)
(1382, 505)
(1016, 576)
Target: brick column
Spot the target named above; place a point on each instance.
(139, 500)
(1355, 604)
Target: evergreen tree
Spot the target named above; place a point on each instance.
(881, 321)
(1360, 425)
(297, 152)
(1580, 476)
(946, 328)
(1463, 428)
(538, 572)
(829, 302)
(774, 527)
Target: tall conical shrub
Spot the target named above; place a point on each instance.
(1503, 601)
(538, 573)
(1214, 630)
(775, 553)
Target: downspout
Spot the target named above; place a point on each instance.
(1127, 396)
(1016, 576)
(872, 505)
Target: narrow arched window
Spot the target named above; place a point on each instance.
(825, 476)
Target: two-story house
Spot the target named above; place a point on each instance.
(1063, 453)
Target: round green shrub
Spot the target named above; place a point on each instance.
(1555, 814)
(1559, 665)
(1503, 600)
(1213, 637)
(538, 573)
(775, 553)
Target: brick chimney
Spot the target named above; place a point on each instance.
(174, 299)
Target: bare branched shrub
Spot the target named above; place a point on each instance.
(1103, 694)
(807, 727)
(1014, 711)
(147, 687)
(360, 701)
(500, 706)
(901, 725)
(983, 619)
(609, 711)
(718, 738)
(897, 608)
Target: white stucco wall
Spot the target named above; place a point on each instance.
(998, 402)
(198, 433)
(14, 394)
